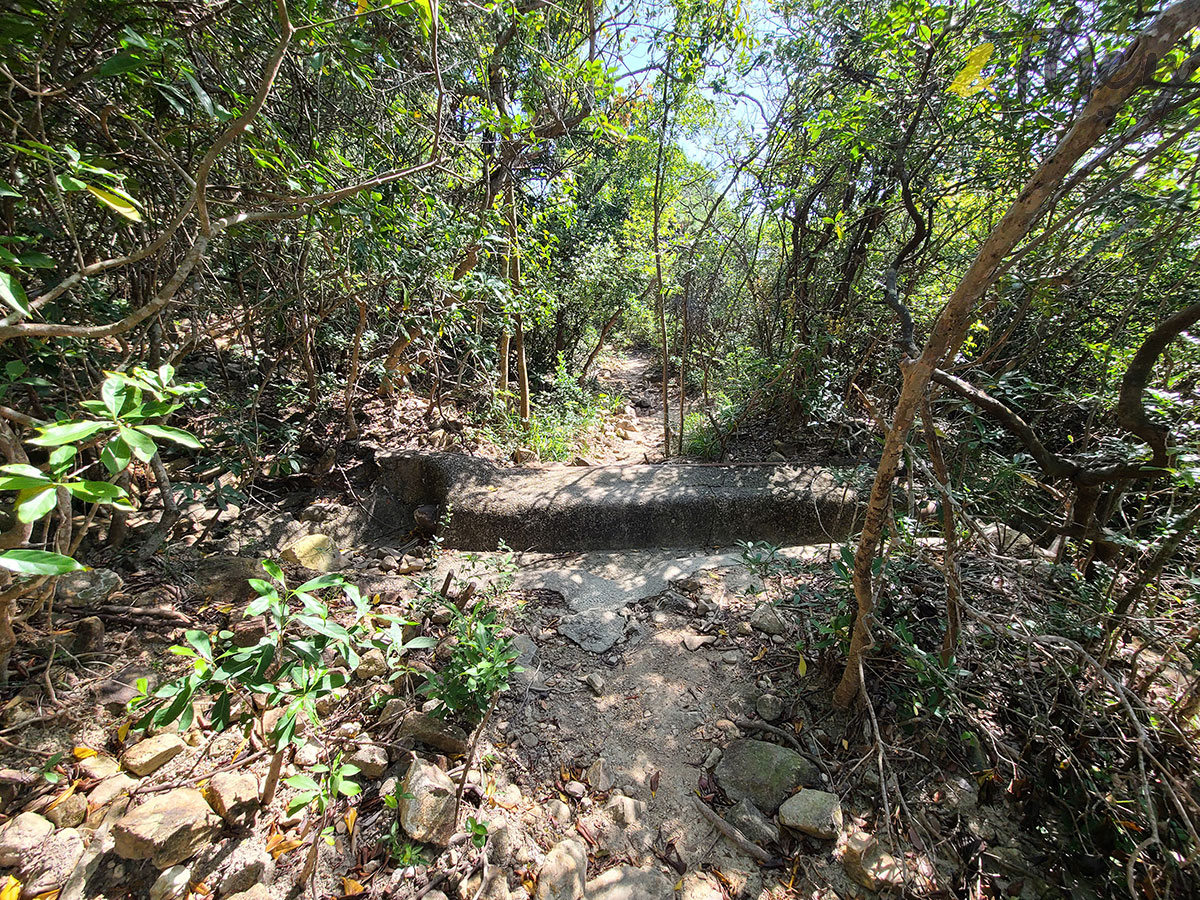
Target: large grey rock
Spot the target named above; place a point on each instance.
(48, 867)
(752, 823)
(766, 618)
(233, 795)
(563, 875)
(92, 587)
(371, 759)
(432, 731)
(152, 754)
(427, 814)
(594, 630)
(631, 883)
(21, 836)
(167, 829)
(818, 813)
(765, 774)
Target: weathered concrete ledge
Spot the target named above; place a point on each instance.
(624, 507)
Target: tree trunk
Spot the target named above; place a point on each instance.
(352, 376)
(950, 329)
(604, 330)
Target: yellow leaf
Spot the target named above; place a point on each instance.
(968, 81)
(11, 889)
(82, 753)
(277, 846)
(351, 818)
(362, 7)
(123, 731)
(119, 204)
(51, 894)
(350, 887)
(759, 655)
(801, 667)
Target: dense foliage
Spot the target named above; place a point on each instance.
(976, 222)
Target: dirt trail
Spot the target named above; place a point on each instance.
(638, 379)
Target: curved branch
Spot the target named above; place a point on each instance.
(1131, 413)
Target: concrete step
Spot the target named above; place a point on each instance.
(620, 507)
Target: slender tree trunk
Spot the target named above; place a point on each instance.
(941, 475)
(504, 350)
(522, 373)
(352, 376)
(604, 330)
(1137, 64)
(658, 263)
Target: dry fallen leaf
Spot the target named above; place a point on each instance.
(63, 796)
(82, 753)
(351, 888)
(351, 817)
(277, 845)
(11, 889)
(654, 779)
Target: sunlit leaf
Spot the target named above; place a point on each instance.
(122, 205)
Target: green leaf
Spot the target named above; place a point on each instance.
(143, 448)
(274, 570)
(7, 190)
(66, 433)
(69, 183)
(36, 503)
(13, 294)
(21, 482)
(62, 458)
(302, 782)
(37, 562)
(121, 63)
(95, 491)
(177, 435)
(113, 199)
(115, 456)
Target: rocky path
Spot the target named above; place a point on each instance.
(645, 680)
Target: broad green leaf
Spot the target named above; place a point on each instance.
(274, 570)
(69, 183)
(177, 435)
(65, 433)
(116, 455)
(13, 294)
(36, 503)
(119, 204)
(34, 260)
(141, 445)
(62, 458)
(37, 562)
(95, 491)
(7, 190)
(23, 469)
(120, 64)
(21, 482)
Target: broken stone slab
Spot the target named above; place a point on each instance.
(431, 731)
(314, 551)
(21, 836)
(98, 766)
(69, 812)
(167, 829)
(765, 774)
(813, 812)
(563, 875)
(115, 692)
(426, 814)
(631, 883)
(594, 630)
(51, 864)
(171, 883)
(626, 811)
(695, 641)
(152, 754)
(599, 776)
(750, 820)
(246, 865)
(110, 789)
(233, 795)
